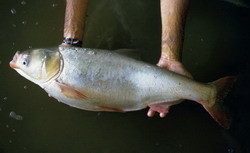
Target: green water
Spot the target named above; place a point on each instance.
(216, 45)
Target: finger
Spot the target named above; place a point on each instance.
(151, 113)
(162, 115)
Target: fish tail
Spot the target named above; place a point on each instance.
(215, 107)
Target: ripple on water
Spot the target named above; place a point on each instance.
(15, 116)
(23, 2)
(13, 11)
(54, 5)
(24, 22)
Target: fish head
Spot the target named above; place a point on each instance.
(37, 65)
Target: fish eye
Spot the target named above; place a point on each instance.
(25, 61)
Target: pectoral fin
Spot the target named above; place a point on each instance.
(71, 92)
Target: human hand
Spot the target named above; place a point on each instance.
(175, 66)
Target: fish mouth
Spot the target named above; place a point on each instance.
(12, 63)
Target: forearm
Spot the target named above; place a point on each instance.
(75, 18)
(173, 15)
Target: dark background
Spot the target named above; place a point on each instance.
(216, 45)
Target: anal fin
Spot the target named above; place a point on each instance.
(110, 109)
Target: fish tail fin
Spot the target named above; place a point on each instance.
(215, 107)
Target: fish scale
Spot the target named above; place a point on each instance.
(100, 80)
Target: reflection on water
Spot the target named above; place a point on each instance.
(217, 34)
(15, 116)
(13, 11)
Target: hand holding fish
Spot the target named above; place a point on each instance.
(173, 15)
(174, 66)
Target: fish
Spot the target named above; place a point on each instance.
(103, 80)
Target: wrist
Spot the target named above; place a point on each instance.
(73, 31)
(167, 55)
(67, 41)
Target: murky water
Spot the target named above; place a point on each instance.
(216, 45)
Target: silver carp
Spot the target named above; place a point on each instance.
(100, 80)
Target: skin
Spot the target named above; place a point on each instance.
(173, 15)
(74, 22)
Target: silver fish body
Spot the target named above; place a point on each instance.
(100, 80)
(110, 80)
